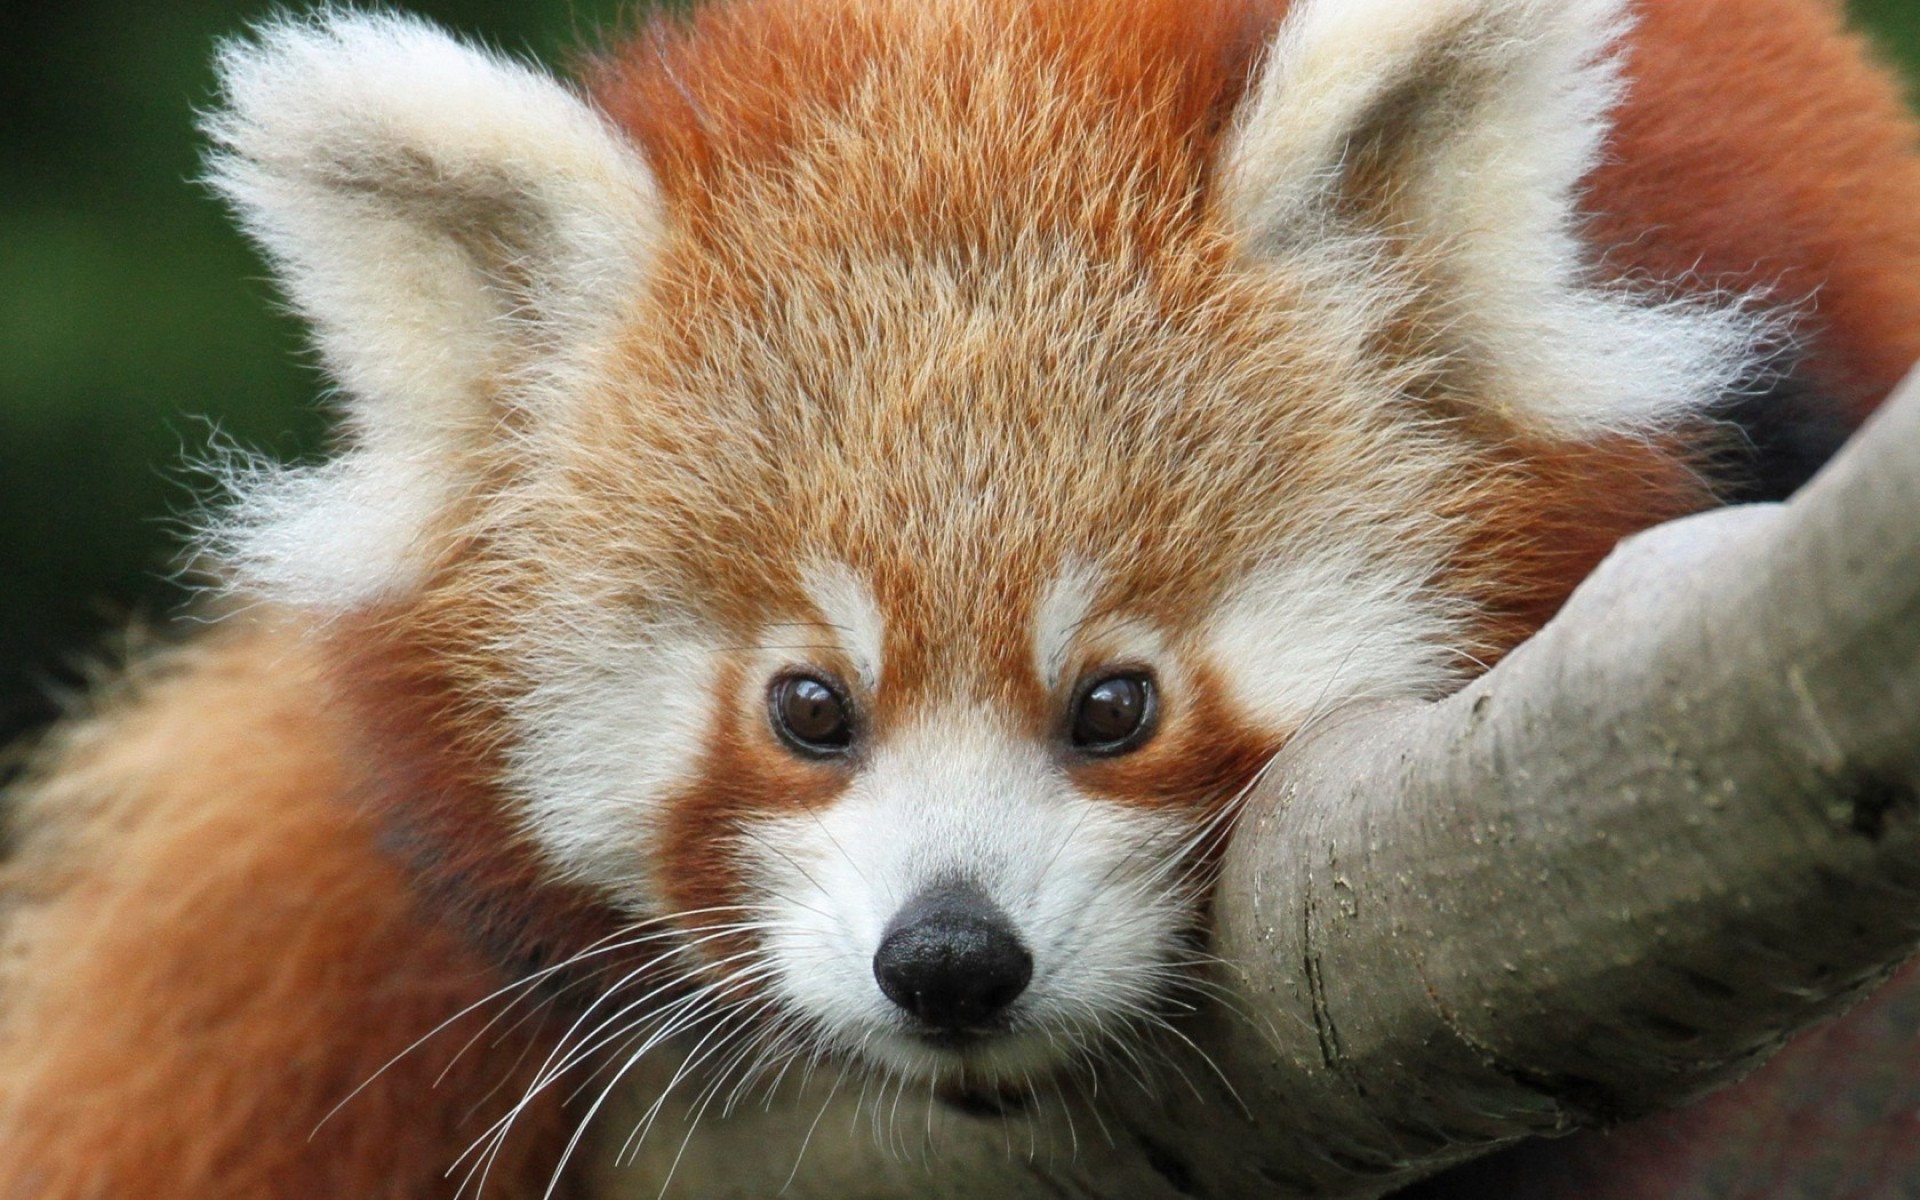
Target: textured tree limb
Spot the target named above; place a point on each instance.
(1676, 827)
(1835, 1114)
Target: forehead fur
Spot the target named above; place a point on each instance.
(1023, 105)
(959, 326)
(954, 436)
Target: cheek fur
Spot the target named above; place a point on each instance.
(744, 777)
(607, 718)
(1548, 520)
(1203, 755)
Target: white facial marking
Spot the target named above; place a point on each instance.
(848, 608)
(1323, 624)
(614, 724)
(1088, 884)
(1123, 641)
(1065, 606)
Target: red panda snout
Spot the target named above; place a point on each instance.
(953, 961)
(966, 908)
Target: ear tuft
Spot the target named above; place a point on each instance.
(450, 222)
(1474, 101)
(1452, 137)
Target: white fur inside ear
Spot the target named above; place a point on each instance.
(450, 222)
(330, 536)
(1494, 112)
(1531, 80)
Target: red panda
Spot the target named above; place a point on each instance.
(831, 514)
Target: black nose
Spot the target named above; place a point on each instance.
(952, 959)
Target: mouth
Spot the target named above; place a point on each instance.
(976, 1098)
(972, 1081)
(965, 1042)
(979, 1069)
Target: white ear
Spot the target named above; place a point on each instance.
(1455, 134)
(451, 223)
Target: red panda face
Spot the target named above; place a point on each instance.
(913, 668)
(867, 532)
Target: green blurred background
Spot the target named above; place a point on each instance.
(134, 322)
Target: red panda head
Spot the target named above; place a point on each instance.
(867, 491)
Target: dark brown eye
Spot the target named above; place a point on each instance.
(810, 715)
(1114, 713)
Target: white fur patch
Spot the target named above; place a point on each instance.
(450, 222)
(614, 723)
(1326, 624)
(847, 608)
(1064, 608)
(1516, 95)
(1535, 82)
(1088, 885)
(328, 536)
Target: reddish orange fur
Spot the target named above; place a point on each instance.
(1753, 148)
(1756, 149)
(213, 812)
(428, 781)
(1200, 757)
(744, 772)
(203, 813)
(1150, 86)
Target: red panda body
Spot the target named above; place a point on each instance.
(884, 467)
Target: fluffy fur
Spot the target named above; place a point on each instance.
(456, 227)
(959, 354)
